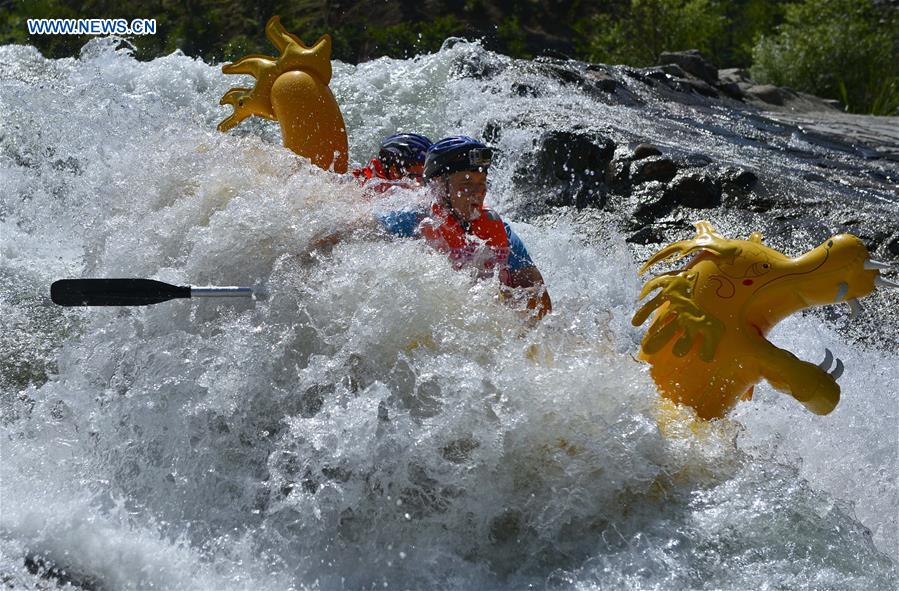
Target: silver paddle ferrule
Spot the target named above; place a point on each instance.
(221, 292)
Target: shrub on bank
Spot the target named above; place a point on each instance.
(841, 49)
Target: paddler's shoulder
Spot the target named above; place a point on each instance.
(403, 222)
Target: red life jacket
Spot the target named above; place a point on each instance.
(484, 245)
(374, 170)
(383, 181)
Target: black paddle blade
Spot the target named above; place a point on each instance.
(114, 292)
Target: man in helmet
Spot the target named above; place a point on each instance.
(458, 224)
(399, 163)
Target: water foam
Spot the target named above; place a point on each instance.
(369, 424)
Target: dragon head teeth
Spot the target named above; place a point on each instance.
(881, 282)
(871, 265)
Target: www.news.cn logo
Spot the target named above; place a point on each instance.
(91, 26)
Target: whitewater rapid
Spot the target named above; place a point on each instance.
(379, 420)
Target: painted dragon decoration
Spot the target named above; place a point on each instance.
(706, 342)
(292, 89)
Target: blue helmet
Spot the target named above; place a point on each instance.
(455, 154)
(404, 149)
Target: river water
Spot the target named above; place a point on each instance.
(379, 420)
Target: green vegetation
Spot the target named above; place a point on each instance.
(646, 28)
(843, 49)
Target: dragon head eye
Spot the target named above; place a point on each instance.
(758, 269)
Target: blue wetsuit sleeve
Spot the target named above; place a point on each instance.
(401, 223)
(518, 254)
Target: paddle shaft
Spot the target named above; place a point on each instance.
(132, 292)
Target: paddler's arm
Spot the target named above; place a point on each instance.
(323, 242)
(523, 280)
(396, 223)
(527, 283)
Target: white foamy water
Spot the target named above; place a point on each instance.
(380, 420)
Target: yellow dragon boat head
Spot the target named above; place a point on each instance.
(706, 342)
(292, 89)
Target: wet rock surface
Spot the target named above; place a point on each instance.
(653, 168)
(692, 61)
(802, 159)
(570, 165)
(700, 145)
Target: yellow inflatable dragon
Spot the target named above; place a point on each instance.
(706, 342)
(292, 89)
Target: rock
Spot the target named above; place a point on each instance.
(562, 70)
(738, 178)
(693, 62)
(573, 163)
(734, 76)
(697, 86)
(731, 89)
(645, 151)
(749, 202)
(600, 79)
(492, 131)
(671, 70)
(59, 576)
(672, 76)
(767, 93)
(697, 189)
(893, 245)
(695, 160)
(645, 235)
(653, 202)
(661, 230)
(522, 89)
(653, 168)
(617, 175)
(480, 66)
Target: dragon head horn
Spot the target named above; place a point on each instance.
(296, 55)
(706, 239)
(278, 35)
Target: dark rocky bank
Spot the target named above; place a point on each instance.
(765, 158)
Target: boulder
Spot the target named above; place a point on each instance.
(697, 86)
(645, 235)
(564, 71)
(692, 62)
(653, 168)
(618, 175)
(653, 202)
(734, 76)
(523, 89)
(669, 69)
(695, 160)
(893, 245)
(767, 93)
(600, 79)
(573, 164)
(700, 190)
(731, 89)
(738, 178)
(645, 151)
